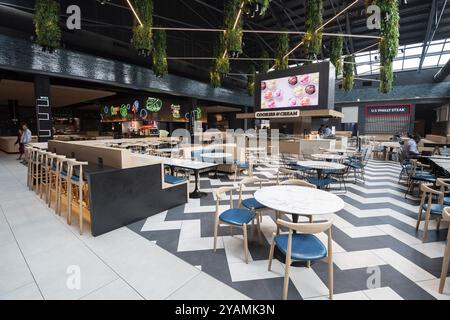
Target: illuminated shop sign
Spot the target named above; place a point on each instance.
(277, 114)
(124, 110)
(388, 110)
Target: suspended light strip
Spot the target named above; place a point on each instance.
(243, 59)
(135, 13)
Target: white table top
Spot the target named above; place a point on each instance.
(216, 155)
(327, 156)
(255, 149)
(321, 165)
(299, 200)
(177, 162)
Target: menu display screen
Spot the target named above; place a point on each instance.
(290, 92)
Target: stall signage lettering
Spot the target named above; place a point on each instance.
(278, 114)
(391, 110)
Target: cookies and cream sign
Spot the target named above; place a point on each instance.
(277, 114)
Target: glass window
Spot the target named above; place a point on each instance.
(363, 69)
(411, 63)
(398, 65)
(413, 51)
(430, 61)
(444, 59)
(435, 48)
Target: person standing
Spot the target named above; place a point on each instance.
(26, 135)
(327, 131)
(18, 141)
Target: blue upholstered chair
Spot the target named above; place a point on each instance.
(303, 246)
(358, 165)
(432, 202)
(418, 175)
(233, 217)
(251, 203)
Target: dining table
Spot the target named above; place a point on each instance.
(216, 158)
(299, 200)
(320, 166)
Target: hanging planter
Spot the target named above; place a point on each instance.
(251, 80)
(142, 34)
(254, 8)
(233, 34)
(312, 40)
(159, 53)
(281, 57)
(337, 44)
(348, 79)
(389, 43)
(214, 78)
(264, 65)
(46, 23)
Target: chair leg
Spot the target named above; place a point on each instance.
(425, 227)
(330, 276)
(419, 218)
(69, 203)
(80, 190)
(272, 248)
(216, 229)
(445, 262)
(258, 224)
(286, 278)
(244, 229)
(438, 224)
(277, 213)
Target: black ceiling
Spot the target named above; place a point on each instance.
(115, 20)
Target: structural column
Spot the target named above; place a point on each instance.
(44, 120)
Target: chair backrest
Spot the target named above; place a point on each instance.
(297, 182)
(429, 193)
(246, 181)
(446, 214)
(221, 192)
(72, 163)
(307, 228)
(286, 172)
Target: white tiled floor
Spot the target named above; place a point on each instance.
(40, 253)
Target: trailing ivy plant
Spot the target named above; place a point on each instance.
(389, 42)
(233, 34)
(281, 53)
(46, 23)
(251, 80)
(214, 78)
(337, 44)
(348, 73)
(312, 40)
(159, 53)
(253, 8)
(142, 34)
(220, 66)
(264, 65)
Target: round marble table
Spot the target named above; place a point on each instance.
(214, 156)
(341, 151)
(327, 156)
(297, 200)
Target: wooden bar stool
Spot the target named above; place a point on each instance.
(77, 186)
(45, 173)
(38, 170)
(30, 153)
(62, 184)
(55, 162)
(446, 260)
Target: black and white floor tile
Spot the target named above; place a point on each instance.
(374, 233)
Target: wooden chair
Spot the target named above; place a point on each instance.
(234, 217)
(38, 171)
(446, 260)
(45, 169)
(430, 207)
(287, 173)
(77, 186)
(444, 185)
(418, 175)
(303, 246)
(62, 184)
(251, 203)
(55, 162)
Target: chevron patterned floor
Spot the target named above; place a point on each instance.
(377, 252)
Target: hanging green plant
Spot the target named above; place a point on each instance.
(253, 8)
(348, 73)
(281, 54)
(389, 43)
(312, 40)
(159, 53)
(234, 33)
(251, 80)
(46, 23)
(264, 65)
(142, 34)
(337, 44)
(214, 78)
